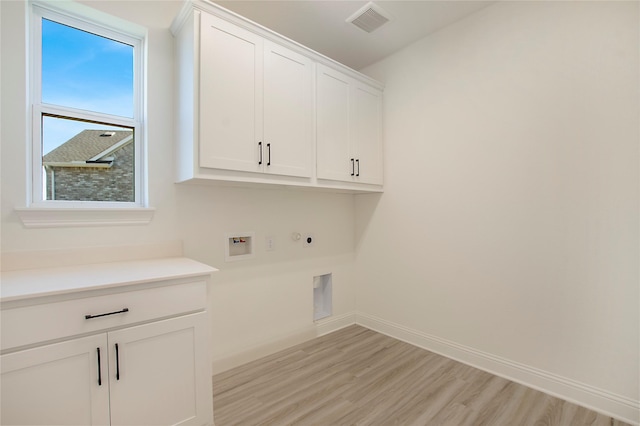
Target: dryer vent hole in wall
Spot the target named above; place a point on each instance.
(322, 298)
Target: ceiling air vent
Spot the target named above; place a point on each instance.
(369, 18)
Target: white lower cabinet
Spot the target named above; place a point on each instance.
(144, 375)
(130, 355)
(56, 384)
(158, 366)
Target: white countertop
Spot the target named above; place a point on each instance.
(31, 283)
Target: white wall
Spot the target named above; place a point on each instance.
(261, 303)
(270, 298)
(509, 222)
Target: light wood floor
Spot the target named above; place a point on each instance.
(358, 376)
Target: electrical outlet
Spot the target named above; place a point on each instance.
(308, 240)
(270, 243)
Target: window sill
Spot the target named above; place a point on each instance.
(37, 217)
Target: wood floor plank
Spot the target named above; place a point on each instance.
(356, 376)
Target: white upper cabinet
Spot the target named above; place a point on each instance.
(288, 113)
(255, 103)
(254, 107)
(366, 133)
(349, 128)
(230, 96)
(332, 131)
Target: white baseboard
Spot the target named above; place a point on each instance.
(281, 342)
(262, 349)
(331, 324)
(599, 400)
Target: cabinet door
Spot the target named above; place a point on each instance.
(332, 103)
(57, 384)
(157, 372)
(230, 96)
(287, 111)
(366, 133)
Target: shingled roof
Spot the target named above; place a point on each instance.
(88, 146)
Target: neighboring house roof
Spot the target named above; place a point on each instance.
(89, 148)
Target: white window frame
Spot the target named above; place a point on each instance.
(90, 20)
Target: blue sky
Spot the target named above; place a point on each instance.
(84, 71)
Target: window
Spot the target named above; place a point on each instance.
(87, 106)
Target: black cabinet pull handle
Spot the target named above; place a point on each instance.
(260, 149)
(99, 369)
(117, 363)
(121, 311)
(268, 154)
(353, 167)
(358, 163)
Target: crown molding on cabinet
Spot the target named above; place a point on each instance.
(228, 15)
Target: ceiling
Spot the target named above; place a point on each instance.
(320, 24)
